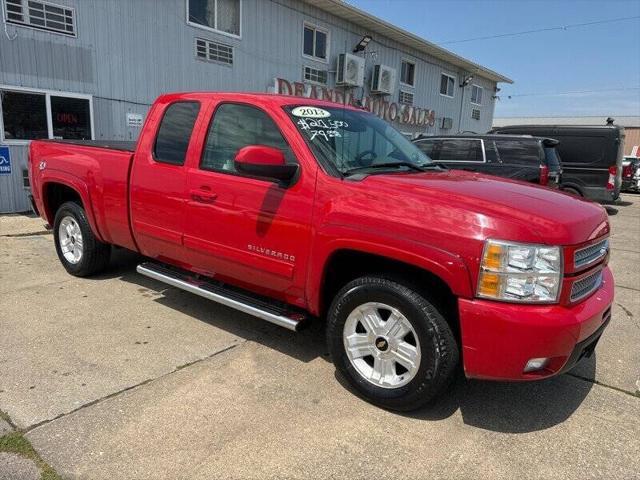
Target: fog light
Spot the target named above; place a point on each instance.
(536, 364)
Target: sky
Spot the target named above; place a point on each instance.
(576, 71)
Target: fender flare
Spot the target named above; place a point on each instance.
(450, 268)
(80, 187)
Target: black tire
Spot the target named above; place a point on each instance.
(95, 254)
(573, 191)
(438, 346)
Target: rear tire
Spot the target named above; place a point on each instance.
(78, 249)
(390, 343)
(573, 191)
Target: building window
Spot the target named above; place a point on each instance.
(222, 16)
(24, 115)
(315, 75)
(315, 42)
(475, 114)
(447, 85)
(407, 73)
(476, 94)
(32, 114)
(405, 98)
(214, 51)
(41, 15)
(174, 133)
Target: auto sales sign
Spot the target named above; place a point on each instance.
(389, 111)
(5, 161)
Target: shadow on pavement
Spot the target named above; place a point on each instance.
(517, 407)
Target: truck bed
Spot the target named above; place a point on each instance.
(121, 145)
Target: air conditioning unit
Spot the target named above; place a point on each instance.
(350, 70)
(383, 79)
(447, 123)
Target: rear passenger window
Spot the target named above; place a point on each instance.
(235, 126)
(519, 152)
(174, 133)
(460, 151)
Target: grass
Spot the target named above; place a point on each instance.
(15, 442)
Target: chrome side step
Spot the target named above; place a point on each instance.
(281, 315)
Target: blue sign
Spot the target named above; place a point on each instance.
(5, 161)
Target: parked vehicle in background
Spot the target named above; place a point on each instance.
(519, 157)
(591, 157)
(631, 174)
(288, 208)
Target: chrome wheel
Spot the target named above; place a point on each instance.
(70, 239)
(382, 345)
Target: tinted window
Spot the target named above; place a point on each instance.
(428, 148)
(24, 115)
(518, 151)
(552, 158)
(453, 150)
(70, 118)
(490, 151)
(236, 126)
(584, 150)
(175, 131)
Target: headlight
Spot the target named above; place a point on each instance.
(516, 272)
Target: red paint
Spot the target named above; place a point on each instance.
(277, 240)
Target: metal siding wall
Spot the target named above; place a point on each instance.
(13, 197)
(128, 52)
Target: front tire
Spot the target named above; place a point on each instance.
(391, 344)
(78, 249)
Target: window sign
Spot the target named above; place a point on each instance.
(5, 161)
(70, 118)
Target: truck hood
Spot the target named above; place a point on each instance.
(532, 212)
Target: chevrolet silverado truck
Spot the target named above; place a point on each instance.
(295, 209)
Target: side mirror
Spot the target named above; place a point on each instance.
(263, 161)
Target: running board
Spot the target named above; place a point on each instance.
(273, 312)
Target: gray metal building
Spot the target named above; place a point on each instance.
(91, 68)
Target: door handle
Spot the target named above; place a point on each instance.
(203, 197)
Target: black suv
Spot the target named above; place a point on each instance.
(591, 156)
(519, 157)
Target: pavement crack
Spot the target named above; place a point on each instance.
(132, 387)
(635, 394)
(628, 288)
(27, 234)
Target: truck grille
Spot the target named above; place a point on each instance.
(586, 286)
(590, 254)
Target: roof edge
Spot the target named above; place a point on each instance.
(343, 9)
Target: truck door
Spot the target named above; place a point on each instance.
(244, 230)
(158, 181)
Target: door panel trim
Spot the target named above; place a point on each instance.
(247, 258)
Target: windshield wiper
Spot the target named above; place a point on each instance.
(412, 166)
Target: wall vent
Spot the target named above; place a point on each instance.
(214, 51)
(41, 15)
(475, 114)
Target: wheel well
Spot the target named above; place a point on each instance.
(55, 195)
(347, 265)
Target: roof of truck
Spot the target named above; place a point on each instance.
(249, 97)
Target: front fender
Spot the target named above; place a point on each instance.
(449, 267)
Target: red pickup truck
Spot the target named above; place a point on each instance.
(288, 208)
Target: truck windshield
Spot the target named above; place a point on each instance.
(355, 141)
